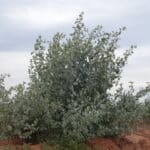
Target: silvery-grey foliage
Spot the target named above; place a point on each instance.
(69, 90)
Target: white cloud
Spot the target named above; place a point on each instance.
(16, 64)
(137, 68)
(35, 18)
(41, 14)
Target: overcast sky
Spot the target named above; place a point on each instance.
(21, 21)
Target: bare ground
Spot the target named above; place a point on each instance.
(139, 140)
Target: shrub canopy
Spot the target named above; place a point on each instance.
(68, 95)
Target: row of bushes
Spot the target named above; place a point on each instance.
(69, 94)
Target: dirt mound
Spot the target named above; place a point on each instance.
(21, 147)
(35, 147)
(102, 144)
(136, 141)
(11, 142)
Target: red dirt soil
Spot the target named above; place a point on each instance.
(136, 141)
(11, 142)
(139, 140)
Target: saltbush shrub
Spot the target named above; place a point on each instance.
(146, 108)
(69, 95)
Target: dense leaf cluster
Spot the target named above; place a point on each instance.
(69, 93)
